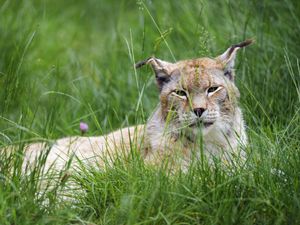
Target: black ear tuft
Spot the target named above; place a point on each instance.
(228, 58)
(161, 68)
(142, 63)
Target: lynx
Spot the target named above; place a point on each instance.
(198, 109)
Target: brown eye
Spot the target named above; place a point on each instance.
(181, 93)
(212, 89)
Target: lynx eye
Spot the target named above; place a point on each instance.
(180, 93)
(212, 89)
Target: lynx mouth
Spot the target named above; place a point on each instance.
(204, 124)
(207, 124)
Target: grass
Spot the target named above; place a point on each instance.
(62, 62)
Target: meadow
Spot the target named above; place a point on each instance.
(66, 62)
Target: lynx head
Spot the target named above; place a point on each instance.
(198, 92)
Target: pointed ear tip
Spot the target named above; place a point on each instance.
(246, 42)
(143, 62)
(139, 64)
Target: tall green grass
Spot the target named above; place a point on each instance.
(62, 62)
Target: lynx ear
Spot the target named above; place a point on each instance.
(162, 69)
(228, 57)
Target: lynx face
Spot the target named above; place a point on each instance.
(197, 94)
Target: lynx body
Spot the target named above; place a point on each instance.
(198, 109)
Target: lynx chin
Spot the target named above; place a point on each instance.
(198, 109)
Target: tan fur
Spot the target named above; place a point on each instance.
(174, 131)
(89, 150)
(222, 139)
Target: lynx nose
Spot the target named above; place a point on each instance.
(199, 111)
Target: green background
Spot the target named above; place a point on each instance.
(62, 62)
